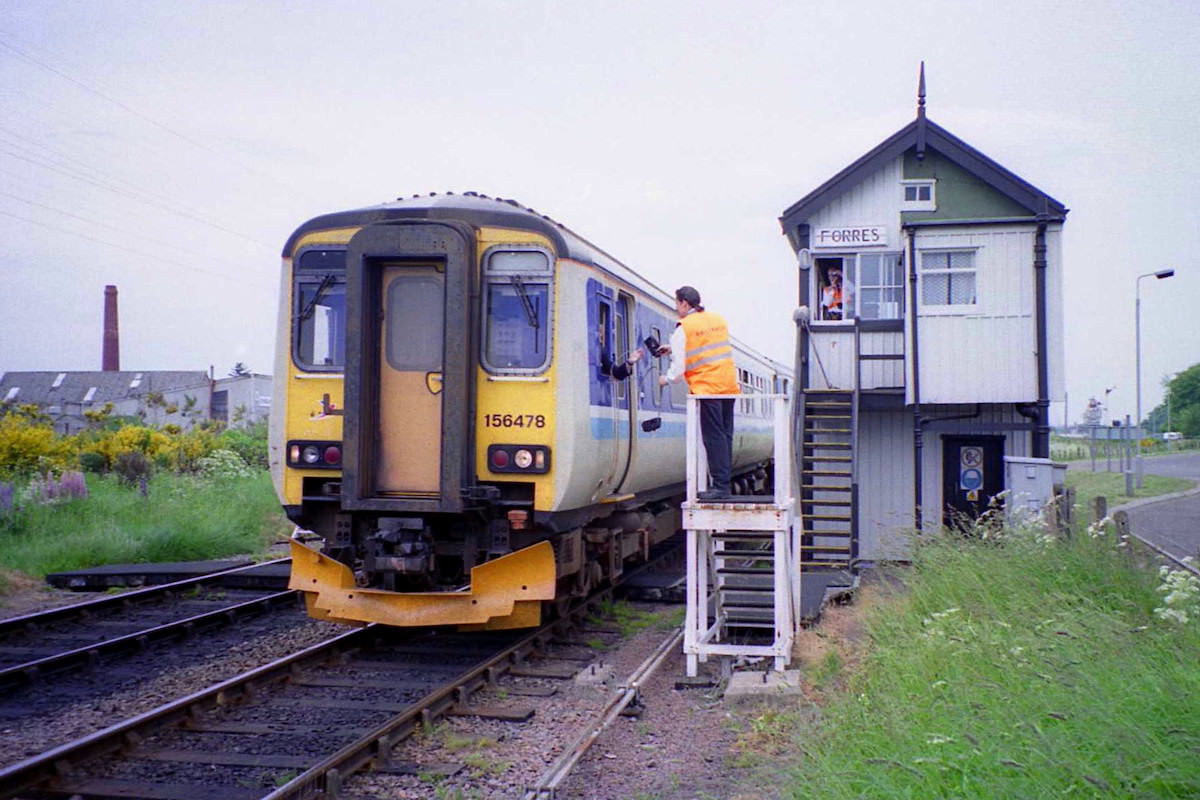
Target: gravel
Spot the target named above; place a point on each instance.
(683, 745)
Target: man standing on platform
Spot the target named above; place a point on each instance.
(707, 364)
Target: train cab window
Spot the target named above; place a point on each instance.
(516, 324)
(320, 310)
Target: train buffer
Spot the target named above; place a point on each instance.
(743, 576)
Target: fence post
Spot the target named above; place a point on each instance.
(1099, 508)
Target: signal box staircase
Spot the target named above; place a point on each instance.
(828, 439)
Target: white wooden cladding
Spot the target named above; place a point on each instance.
(986, 352)
(834, 347)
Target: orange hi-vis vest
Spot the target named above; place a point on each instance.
(708, 362)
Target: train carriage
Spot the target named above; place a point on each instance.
(445, 414)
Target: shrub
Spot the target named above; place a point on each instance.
(28, 446)
(109, 445)
(224, 465)
(185, 450)
(249, 443)
(132, 468)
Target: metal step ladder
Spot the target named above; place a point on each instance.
(828, 491)
(743, 581)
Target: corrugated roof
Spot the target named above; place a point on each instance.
(38, 387)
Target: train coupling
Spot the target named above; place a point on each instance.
(506, 592)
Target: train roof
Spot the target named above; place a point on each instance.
(480, 209)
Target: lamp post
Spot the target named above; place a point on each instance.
(1137, 327)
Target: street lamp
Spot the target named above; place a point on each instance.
(1137, 326)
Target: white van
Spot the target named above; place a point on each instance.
(1172, 436)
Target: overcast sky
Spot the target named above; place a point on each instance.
(170, 148)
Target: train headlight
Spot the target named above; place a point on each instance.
(526, 458)
(314, 455)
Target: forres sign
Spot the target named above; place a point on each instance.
(850, 237)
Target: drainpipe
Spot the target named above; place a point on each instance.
(1041, 437)
(918, 426)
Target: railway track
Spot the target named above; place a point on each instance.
(299, 726)
(48, 644)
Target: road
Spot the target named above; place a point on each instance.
(1173, 525)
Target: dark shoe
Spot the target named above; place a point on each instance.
(713, 494)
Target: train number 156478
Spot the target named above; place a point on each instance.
(514, 420)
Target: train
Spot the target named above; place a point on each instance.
(446, 433)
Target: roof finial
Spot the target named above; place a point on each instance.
(921, 93)
(921, 115)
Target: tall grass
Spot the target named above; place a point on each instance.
(180, 518)
(1026, 668)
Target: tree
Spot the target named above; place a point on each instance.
(1183, 395)
(239, 370)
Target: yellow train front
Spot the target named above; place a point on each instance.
(446, 432)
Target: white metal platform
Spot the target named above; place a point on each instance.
(742, 569)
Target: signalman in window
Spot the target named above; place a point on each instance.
(834, 295)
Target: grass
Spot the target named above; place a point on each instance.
(1025, 667)
(180, 519)
(1089, 485)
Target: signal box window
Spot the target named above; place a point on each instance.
(320, 310)
(881, 289)
(516, 310)
(918, 195)
(948, 278)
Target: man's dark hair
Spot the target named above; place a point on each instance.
(690, 296)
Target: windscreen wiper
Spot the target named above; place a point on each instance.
(526, 301)
(326, 282)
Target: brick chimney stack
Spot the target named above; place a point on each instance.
(111, 357)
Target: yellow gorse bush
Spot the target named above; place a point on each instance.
(108, 445)
(28, 446)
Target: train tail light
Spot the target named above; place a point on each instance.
(314, 455)
(518, 458)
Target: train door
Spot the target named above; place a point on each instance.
(407, 379)
(611, 408)
(625, 396)
(408, 459)
(972, 474)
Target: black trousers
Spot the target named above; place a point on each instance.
(716, 429)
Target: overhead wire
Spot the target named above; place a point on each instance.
(131, 196)
(242, 278)
(26, 143)
(140, 115)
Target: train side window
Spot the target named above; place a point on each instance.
(604, 336)
(621, 340)
(661, 364)
(319, 321)
(516, 309)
